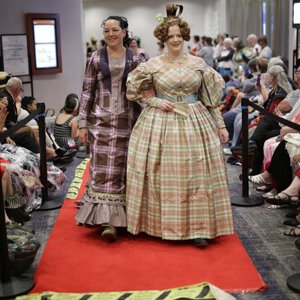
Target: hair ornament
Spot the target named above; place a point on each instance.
(159, 18)
(77, 104)
(174, 10)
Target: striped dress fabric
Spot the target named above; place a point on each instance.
(176, 177)
(62, 133)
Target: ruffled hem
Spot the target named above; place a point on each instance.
(100, 210)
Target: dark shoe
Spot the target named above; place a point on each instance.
(60, 151)
(63, 169)
(66, 158)
(292, 214)
(297, 243)
(291, 222)
(78, 204)
(238, 150)
(109, 234)
(70, 153)
(231, 160)
(18, 215)
(283, 199)
(199, 242)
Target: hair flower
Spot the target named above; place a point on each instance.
(159, 18)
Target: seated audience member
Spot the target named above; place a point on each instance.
(285, 156)
(66, 123)
(248, 90)
(278, 175)
(20, 176)
(4, 77)
(207, 51)
(5, 176)
(24, 136)
(29, 105)
(219, 46)
(255, 95)
(195, 48)
(225, 64)
(253, 44)
(285, 109)
(266, 51)
(241, 56)
(266, 127)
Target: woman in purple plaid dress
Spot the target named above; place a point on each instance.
(105, 121)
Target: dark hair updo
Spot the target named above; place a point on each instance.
(173, 13)
(123, 24)
(71, 104)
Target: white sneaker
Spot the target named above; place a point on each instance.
(227, 151)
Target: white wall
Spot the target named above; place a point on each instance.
(52, 89)
(205, 17)
(78, 21)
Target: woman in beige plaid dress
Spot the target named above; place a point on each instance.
(176, 178)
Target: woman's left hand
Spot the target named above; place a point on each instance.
(223, 135)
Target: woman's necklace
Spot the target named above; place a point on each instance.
(176, 61)
(118, 53)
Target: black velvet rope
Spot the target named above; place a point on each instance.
(20, 124)
(273, 116)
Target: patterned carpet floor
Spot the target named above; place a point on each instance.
(259, 228)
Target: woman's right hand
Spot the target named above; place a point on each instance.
(166, 105)
(83, 135)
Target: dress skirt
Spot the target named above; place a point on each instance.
(104, 200)
(177, 186)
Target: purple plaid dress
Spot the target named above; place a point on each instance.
(109, 118)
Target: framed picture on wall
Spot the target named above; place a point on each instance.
(14, 50)
(296, 13)
(44, 43)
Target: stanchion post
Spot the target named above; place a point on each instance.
(245, 200)
(47, 204)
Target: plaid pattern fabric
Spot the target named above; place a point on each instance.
(176, 179)
(110, 119)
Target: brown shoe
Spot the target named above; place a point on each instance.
(199, 242)
(109, 234)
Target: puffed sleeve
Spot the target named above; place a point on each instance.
(210, 94)
(140, 85)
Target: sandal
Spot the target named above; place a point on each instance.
(264, 188)
(294, 232)
(270, 194)
(283, 199)
(259, 179)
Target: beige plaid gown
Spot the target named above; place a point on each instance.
(176, 178)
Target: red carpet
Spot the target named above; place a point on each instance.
(77, 260)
